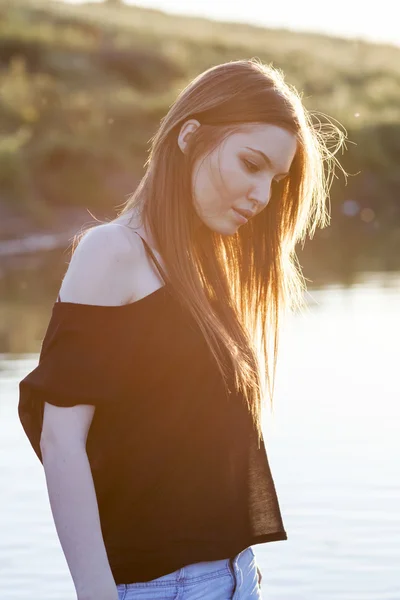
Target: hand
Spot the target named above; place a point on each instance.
(99, 595)
(102, 596)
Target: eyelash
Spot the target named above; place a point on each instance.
(247, 163)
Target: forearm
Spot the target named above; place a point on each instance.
(76, 516)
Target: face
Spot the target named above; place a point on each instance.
(236, 175)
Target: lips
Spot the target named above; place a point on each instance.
(244, 212)
(239, 217)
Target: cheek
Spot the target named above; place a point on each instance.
(201, 181)
(217, 185)
(232, 181)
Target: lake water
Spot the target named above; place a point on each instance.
(334, 448)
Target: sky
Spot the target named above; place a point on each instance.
(375, 21)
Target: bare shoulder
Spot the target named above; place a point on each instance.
(102, 266)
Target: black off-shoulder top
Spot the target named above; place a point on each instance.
(178, 472)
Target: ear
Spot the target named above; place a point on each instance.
(186, 131)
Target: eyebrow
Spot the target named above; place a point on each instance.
(267, 159)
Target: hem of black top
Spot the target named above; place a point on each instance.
(130, 572)
(270, 537)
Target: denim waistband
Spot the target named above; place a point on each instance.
(242, 560)
(200, 570)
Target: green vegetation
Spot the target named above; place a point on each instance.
(83, 88)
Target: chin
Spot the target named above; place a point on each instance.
(223, 227)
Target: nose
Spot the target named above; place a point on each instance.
(261, 194)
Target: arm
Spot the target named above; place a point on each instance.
(76, 517)
(95, 276)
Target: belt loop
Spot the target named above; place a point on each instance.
(259, 575)
(181, 574)
(234, 574)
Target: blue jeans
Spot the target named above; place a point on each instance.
(234, 578)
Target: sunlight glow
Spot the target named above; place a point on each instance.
(374, 23)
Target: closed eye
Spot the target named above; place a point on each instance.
(251, 166)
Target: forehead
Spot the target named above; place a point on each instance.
(270, 139)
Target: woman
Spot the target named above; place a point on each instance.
(145, 408)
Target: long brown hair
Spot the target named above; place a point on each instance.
(236, 287)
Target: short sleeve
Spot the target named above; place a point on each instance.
(75, 365)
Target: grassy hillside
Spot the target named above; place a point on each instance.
(83, 89)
